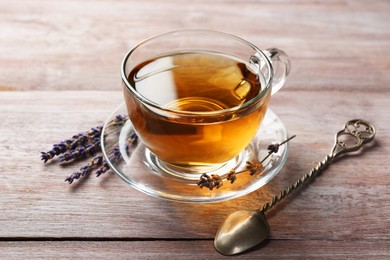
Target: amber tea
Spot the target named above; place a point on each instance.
(192, 87)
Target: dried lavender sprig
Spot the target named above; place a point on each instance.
(79, 139)
(216, 181)
(115, 155)
(85, 170)
(70, 145)
(81, 151)
(98, 161)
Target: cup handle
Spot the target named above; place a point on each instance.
(281, 64)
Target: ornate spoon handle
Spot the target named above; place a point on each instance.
(355, 134)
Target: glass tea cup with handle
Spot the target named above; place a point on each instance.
(196, 98)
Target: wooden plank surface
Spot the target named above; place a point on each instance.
(59, 75)
(273, 249)
(349, 201)
(55, 45)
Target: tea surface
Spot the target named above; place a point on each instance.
(195, 81)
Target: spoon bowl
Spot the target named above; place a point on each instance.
(241, 231)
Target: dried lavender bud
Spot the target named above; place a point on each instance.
(72, 177)
(118, 121)
(116, 154)
(252, 167)
(231, 176)
(133, 139)
(103, 169)
(215, 181)
(45, 156)
(120, 118)
(95, 131)
(273, 148)
(205, 181)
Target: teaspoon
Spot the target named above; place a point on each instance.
(244, 229)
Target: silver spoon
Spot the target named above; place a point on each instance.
(243, 230)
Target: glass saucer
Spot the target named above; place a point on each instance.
(137, 166)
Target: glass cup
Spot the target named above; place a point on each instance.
(196, 98)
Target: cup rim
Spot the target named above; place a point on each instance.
(155, 105)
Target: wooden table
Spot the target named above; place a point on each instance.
(59, 75)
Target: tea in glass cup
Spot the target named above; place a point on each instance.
(197, 98)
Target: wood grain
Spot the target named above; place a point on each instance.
(59, 75)
(57, 45)
(349, 201)
(274, 249)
